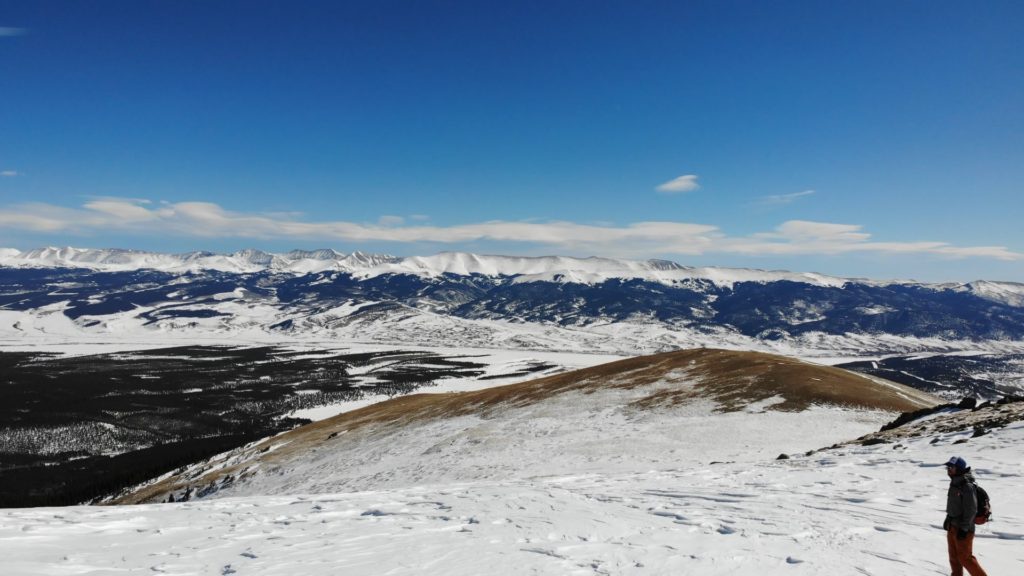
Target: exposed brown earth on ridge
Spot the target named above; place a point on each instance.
(732, 379)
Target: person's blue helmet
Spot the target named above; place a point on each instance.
(957, 462)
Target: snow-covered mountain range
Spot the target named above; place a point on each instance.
(526, 269)
(593, 270)
(458, 299)
(116, 260)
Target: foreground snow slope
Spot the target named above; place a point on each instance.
(853, 510)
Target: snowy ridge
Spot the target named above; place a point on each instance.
(1009, 293)
(529, 269)
(452, 437)
(243, 261)
(560, 269)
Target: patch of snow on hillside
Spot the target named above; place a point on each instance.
(874, 310)
(1010, 293)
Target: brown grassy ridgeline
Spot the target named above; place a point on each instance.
(731, 380)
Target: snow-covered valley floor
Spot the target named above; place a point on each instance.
(852, 510)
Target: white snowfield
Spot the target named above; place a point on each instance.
(698, 493)
(246, 323)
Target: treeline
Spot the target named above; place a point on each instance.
(86, 479)
(161, 409)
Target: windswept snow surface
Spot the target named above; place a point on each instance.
(574, 433)
(855, 510)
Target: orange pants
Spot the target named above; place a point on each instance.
(961, 555)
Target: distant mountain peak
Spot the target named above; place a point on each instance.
(318, 254)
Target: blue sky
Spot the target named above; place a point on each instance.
(880, 139)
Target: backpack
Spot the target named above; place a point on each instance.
(984, 506)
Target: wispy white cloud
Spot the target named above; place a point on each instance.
(8, 173)
(32, 222)
(126, 210)
(779, 199)
(684, 183)
(803, 230)
(638, 239)
(388, 220)
(7, 31)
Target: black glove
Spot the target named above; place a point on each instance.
(961, 534)
(945, 523)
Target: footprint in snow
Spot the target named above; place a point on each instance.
(375, 512)
(1003, 536)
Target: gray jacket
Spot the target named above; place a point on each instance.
(962, 501)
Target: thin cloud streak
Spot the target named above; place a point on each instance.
(684, 183)
(8, 32)
(389, 220)
(781, 199)
(9, 173)
(639, 239)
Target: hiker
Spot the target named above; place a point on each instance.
(961, 508)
